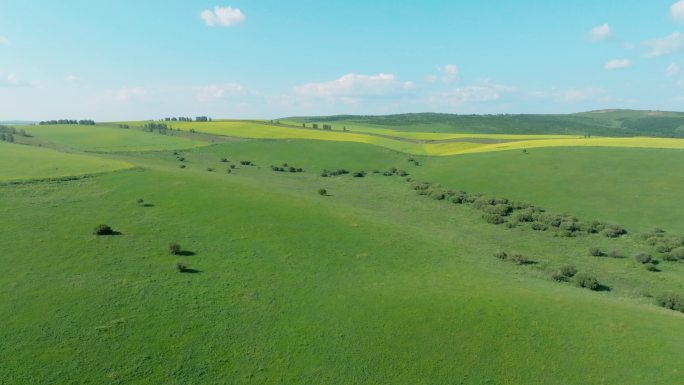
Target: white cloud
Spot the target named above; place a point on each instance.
(219, 91)
(479, 93)
(618, 64)
(579, 95)
(72, 78)
(355, 86)
(449, 73)
(677, 11)
(126, 94)
(602, 32)
(4, 41)
(673, 69)
(10, 80)
(223, 17)
(666, 45)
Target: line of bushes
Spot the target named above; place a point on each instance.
(501, 211)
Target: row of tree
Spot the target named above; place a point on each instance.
(84, 122)
(186, 119)
(7, 133)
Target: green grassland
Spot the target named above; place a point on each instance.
(19, 162)
(108, 138)
(638, 188)
(371, 284)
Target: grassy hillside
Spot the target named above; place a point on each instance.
(21, 162)
(416, 143)
(370, 284)
(597, 123)
(105, 138)
(638, 188)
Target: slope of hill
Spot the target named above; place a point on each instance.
(596, 123)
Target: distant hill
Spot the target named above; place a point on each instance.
(619, 123)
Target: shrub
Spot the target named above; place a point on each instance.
(651, 267)
(139, 201)
(224, 160)
(594, 227)
(518, 259)
(299, 169)
(501, 255)
(402, 173)
(181, 267)
(103, 230)
(232, 166)
(564, 273)
(643, 258)
(678, 253)
(671, 301)
(182, 166)
(359, 174)
(615, 254)
(181, 159)
(669, 257)
(595, 252)
(493, 219)
(538, 226)
(228, 171)
(587, 281)
(568, 271)
(322, 191)
(246, 163)
(613, 231)
(174, 248)
(210, 169)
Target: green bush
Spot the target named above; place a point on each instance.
(519, 259)
(615, 254)
(651, 267)
(613, 231)
(643, 258)
(182, 166)
(174, 248)
(139, 201)
(501, 255)
(587, 281)
(103, 230)
(568, 271)
(359, 174)
(671, 301)
(595, 252)
(322, 191)
(538, 226)
(494, 219)
(181, 267)
(224, 160)
(564, 274)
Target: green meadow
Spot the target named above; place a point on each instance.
(368, 283)
(107, 138)
(20, 162)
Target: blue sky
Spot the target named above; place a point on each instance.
(124, 59)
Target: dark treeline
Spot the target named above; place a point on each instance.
(186, 119)
(83, 122)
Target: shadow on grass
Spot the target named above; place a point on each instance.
(148, 205)
(603, 288)
(186, 253)
(190, 271)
